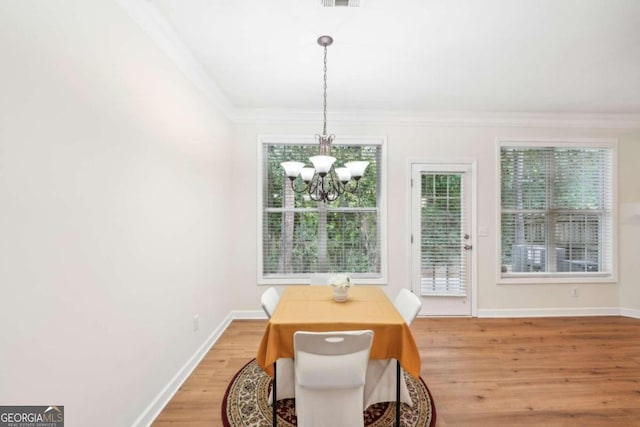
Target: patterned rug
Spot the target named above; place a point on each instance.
(245, 404)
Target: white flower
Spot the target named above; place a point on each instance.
(340, 281)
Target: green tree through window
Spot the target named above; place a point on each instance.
(301, 237)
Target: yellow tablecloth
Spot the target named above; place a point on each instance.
(312, 308)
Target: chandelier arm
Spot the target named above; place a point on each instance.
(313, 185)
(315, 197)
(293, 187)
(313, 194)
(324, 194)
(333, 191)
(336, 184)
(354, 188)
(331, 197)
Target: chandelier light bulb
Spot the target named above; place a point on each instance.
(322, 164)
(343, 175)
(292, 169)
(307, 174)
(357, 168)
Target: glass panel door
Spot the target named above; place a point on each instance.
(441, 238)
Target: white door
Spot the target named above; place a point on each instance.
(441, 238)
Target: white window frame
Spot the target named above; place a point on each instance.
(575, 277)
(382, 203)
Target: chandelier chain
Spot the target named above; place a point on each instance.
(324, 113)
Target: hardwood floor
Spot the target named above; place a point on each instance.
(580, 371)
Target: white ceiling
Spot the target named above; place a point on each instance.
(512, 56)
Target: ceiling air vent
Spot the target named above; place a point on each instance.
(340, 3)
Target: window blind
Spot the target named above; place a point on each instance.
(443, 260)
(301, 237)
(556, 204)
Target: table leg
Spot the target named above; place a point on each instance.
(275, 398)
(398, 373)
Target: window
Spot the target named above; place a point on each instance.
(557, 210)
(300, 237)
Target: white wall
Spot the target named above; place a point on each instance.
(437, 142)
(113, 231)
(629, 244)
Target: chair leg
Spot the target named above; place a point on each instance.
(275, 398)
(398, 373)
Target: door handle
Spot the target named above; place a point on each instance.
(467, 247)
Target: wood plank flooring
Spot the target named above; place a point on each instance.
(579, 371)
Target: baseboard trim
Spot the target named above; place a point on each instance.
(248, 314)
(167, 393)
(550, 312)
(630, 312)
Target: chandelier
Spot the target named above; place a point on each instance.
(323, 182)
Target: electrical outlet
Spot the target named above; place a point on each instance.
(575, 293)
(196, 323)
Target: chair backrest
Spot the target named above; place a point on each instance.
(319, 279)
(331, 359)
(269, 300)
(408, 305)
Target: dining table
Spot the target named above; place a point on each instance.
(313, 309)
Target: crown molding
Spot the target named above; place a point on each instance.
(441, 119)
(147, 17)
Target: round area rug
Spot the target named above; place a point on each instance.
(246, 404)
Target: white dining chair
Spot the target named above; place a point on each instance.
(269, 300)
(408, 305)
(319, 279)
(330, 371)
(285, 382)
(385, 377)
